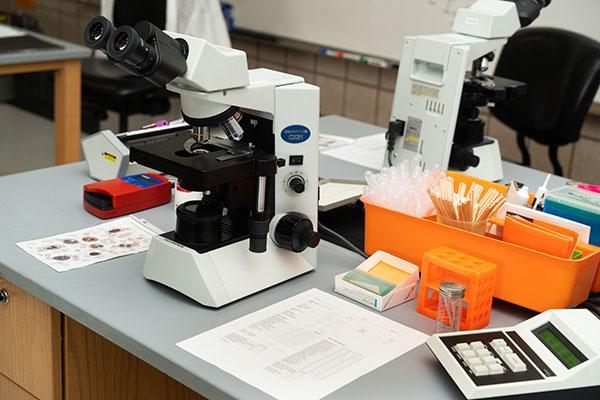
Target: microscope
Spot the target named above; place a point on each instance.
(252, 153)
(442, 84)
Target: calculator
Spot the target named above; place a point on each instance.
(556, 352)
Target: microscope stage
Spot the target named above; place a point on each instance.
(224, 160)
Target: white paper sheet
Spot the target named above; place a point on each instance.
(367, 151)
(7, 31)
(120, 237)
(304, 347)
(328, 142)
(336, 194)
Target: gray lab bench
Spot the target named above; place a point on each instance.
(65, 51)
(64, 61)
(146, 319)
(341, 126)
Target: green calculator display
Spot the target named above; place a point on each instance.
(560, 346)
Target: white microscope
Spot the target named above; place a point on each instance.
(441, 84)
(252, 152)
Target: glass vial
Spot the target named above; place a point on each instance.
(449, 309)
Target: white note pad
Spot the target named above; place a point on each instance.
(304, 347)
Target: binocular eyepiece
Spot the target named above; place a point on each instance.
(97, 32)
(143, 50)
(529, 10)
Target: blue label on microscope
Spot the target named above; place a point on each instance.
(295, 134)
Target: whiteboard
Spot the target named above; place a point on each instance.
(377, 27)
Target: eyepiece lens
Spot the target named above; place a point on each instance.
(121, 41)
(96, 31)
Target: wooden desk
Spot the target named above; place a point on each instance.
(66, 64)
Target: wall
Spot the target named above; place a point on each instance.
(65, 19)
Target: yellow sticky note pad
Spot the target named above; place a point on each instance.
(395, 279)
(389, 273)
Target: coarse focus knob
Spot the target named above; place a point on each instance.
(4, 297)
(462, 158)
(297, 184)
(295, 232)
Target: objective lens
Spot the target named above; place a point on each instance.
(96, 31)
(232, 128)
(121, 41)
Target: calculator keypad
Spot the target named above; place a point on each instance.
(491, 358)
(480, 359)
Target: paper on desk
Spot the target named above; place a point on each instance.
(367, 151)
(123, 236)
(7, 31)
(304, 347)
(328, 142)
(336, 194)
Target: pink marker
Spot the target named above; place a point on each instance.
(591, 188)
(157, 124)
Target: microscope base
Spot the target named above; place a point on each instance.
(224, 275)
(490, 164)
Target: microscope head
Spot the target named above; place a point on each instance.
(187, 65)
(162, 57)
(211, 68)
(497, 19)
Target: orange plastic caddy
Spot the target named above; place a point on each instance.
(524, 277)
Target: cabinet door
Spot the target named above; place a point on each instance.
(30, 344)
(97, 369)
(10, 390)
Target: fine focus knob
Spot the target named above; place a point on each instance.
(4, 297)
(297, 184)
(295, 232)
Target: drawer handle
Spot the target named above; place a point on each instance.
(4, 297)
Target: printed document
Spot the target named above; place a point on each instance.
(304, 347)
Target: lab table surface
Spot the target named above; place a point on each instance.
(332, 168)
(64, 51)
(65, 62)
(146, 319)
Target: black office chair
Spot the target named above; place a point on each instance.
(562, 72)
(107, 87)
